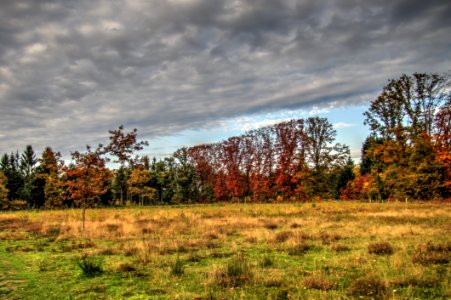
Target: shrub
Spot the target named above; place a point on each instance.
(90, 266)
(369, 287)
(383, 248)
(432, 253)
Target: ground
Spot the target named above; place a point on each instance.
(327, 250)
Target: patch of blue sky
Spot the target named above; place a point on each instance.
(347, 121)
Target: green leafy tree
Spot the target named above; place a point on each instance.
(10, 165)
(322, 155)
(185, 181)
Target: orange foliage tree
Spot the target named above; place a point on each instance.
(87, 179)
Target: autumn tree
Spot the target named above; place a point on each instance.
(87, 179)
(201, 157)
(403, 119)
(4, 202)
(123, 145)
(139, 184)
(47, 189)
(442, 145)
(288, 145)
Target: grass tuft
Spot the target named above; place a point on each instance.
(177, 268)
(318, 281)
(267, 261)
(237, 272)
(90, 267)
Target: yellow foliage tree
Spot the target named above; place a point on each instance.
(137, 184)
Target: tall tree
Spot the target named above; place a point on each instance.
(185, 177)
(10, 165)
(27, 167)
(46, 188)
(322, 155)
(404, 120)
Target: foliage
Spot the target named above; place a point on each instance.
(138, 184)
(407, 152)
(407, 156)
(87, 179)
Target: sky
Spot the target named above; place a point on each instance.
(187, 72)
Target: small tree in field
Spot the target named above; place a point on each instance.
(87, 179)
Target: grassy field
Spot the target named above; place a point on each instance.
(326, 250)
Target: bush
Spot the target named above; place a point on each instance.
(369, 287)
(382, 248)
(432, 253)
(90, 266)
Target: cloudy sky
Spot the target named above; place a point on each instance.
(192, 71)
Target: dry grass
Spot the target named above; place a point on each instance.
(226, 247)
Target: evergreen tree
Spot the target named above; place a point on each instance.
(27, 167)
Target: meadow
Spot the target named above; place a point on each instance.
(325, 250)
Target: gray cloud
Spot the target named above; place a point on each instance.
(71, 70)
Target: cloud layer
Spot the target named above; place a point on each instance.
(71, 70)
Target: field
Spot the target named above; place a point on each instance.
(326, 250)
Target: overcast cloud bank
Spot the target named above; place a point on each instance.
(71, 70)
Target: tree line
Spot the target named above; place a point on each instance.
(406, 156)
